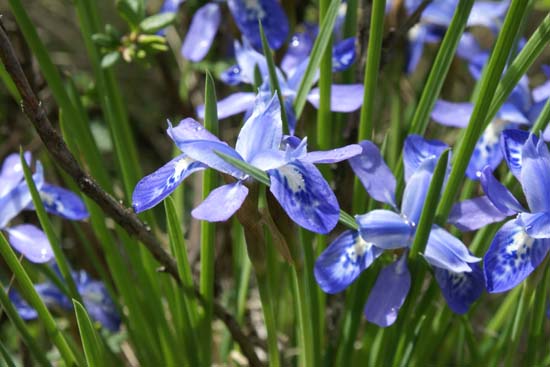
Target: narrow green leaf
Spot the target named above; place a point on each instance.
(91, 342)
(325, 122)
(60, 258)
(8, 82)
(489, 83)
(430, 204)
(156, 22)
(29, 293)
(6, 355)
(319, 47)
(372, 68)
(189, 308)
(35, 349)
(208, 230)
(273, 80)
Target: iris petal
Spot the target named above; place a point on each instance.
(501, 197)
(189, 129)
(152, 189)
(511, 144)
(487, 150)
(385, 229)
(343, 54)
(305, 196)
(447, 252)
(232, 105)
(19, 197)
(389, 293)
(535, 175)
(454, 114)
(417, 149)
(262, 131)
(221, 203)
(269, 12)
(203, 28)
(512, 256)
(334, 155)
(343, 260)
(62, 202)
(31, 242)
(205, 151)
(343, 97)
(536, 225)
(472, 214)
(374, 174)
(99, 304)
(23, 308)
(460, 289)
(12, 172)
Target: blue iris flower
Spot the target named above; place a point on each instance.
(15, 197)
(246, 13)
(95, 297)
(456, 271)
(522, 243)
(344, 97)
(512, 114)
(295, 182)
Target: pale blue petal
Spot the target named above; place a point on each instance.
(153, 188)
(374, 174)
(23, 308)
(19, 197)
(513, 255)
(417, 149)
(389, 293)
(231, 76)
(201, 33)
(510, 113)
(262, 131)
(536, 225)
(511, 144)
(343, 54)
(468, 47)
(171, 6)
(417, 38)
(269, 159)
(487, 150)
(454, 114)
(189, 129)
(274, 21)
(447, 252)
(221, 203)
(62, 202)
(299, 48)
(334, 155)
(535, 174)
(487, 13)
(248, 59)
(305, 196)
(499, 194)
(343, 260)
(385, 229)
(98, 302)
(542, 92)
(12, 172)
(204, 151)
(31, 242)
(416, 190)
(473, 214)
(343, 97)
(461, 289)
(232, 105)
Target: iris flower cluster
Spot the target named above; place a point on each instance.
(456, 269)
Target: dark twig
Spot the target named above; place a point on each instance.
(124, 216)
